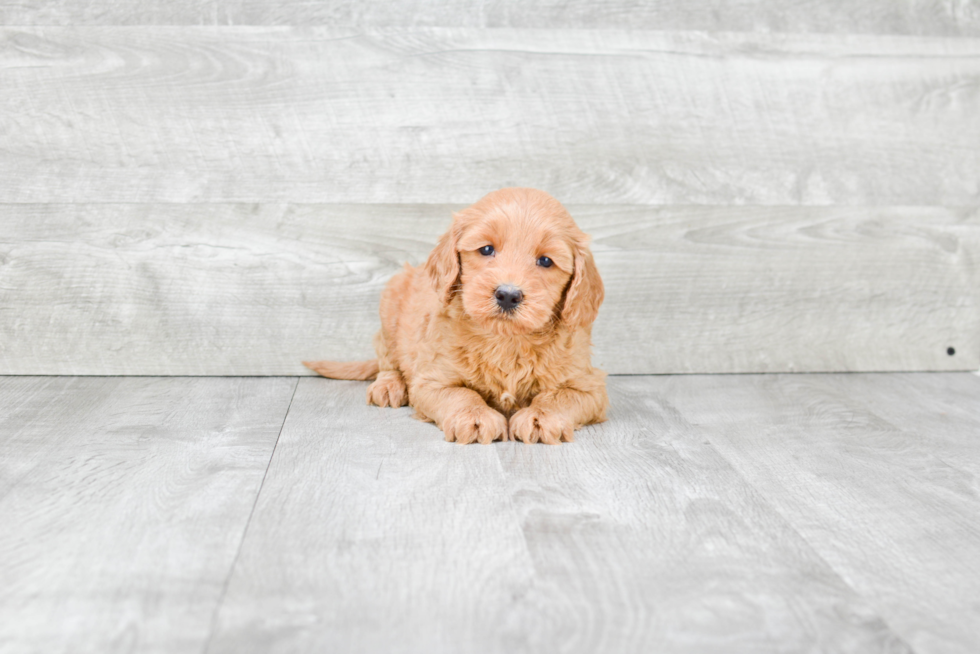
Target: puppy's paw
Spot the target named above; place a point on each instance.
(531, 425)
(475, 424)
(388, 390)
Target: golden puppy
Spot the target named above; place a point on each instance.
(491, 338)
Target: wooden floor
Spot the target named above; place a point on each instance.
(729, 513)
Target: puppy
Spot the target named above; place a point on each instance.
(491, 338)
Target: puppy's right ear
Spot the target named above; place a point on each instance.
(443, 263)
(585, 292)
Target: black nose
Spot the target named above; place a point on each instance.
(508, 297)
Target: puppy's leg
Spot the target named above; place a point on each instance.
(555, 414)
(460, 413)
(389, 388)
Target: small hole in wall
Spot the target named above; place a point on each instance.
(950, 351)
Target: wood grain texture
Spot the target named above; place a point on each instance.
(372, 534)
(370, 525)
(776, 513)
(946, 18)
(39, 415)
(123, 504)
(184, 114)
(878, 472)
(255, 289)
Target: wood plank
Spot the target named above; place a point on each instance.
(875, 472)
(942, 408)
(44, 405)
(128, 507)
(754, 289)
(372, 534)
(838, 16)
(362, 515)
(650, 541)
(255, 289)
(433, 115)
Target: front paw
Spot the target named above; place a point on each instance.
(388, 390)
(532, 425)
(480, 424)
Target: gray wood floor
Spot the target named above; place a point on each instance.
(739, 513)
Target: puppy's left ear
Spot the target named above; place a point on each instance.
(585, 292)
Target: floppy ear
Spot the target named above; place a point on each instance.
(585, 292)
(443, 263)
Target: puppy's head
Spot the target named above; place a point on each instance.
(519, 262)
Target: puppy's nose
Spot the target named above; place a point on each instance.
(508, 297)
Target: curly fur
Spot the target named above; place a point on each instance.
(479, 373)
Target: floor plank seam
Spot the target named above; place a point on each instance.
(248, 523)
(710, 439)
(764, 499)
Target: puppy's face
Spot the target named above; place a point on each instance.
(519, 262)
(514, 270)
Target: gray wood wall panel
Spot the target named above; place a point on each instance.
(876, 474)
(372, 534)
(130, 504)
(180, 114)
(947, 17)
(222, 289)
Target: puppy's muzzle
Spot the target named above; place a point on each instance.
(508, 297)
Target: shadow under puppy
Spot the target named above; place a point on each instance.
(491, 338)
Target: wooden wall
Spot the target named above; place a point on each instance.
(771, 186)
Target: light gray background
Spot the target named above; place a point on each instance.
(787, 186)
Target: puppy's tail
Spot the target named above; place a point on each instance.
(359, 370)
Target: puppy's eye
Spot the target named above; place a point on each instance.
(545, 262)
(486, 250)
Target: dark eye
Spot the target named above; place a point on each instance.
(486, 250)
(545, 262)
